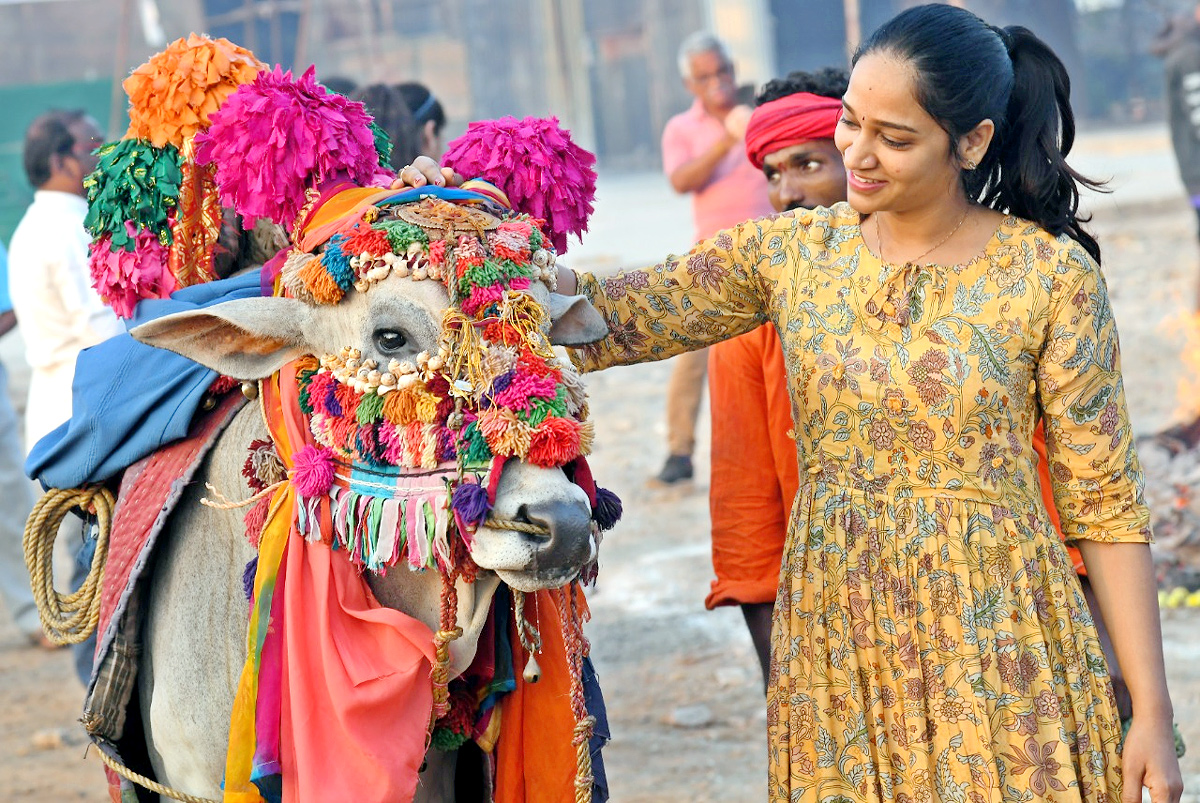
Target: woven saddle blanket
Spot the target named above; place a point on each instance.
(150, 490)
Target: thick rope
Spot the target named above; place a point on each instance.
(577, 647)
(66, 618)
(142, 780)
(448, 631)
(225, 503)
(518, 526)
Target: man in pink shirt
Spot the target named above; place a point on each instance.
(704, 154)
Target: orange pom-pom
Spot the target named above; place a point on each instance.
(554, 443)
(320, 284)
(400, 407)
(172, 95)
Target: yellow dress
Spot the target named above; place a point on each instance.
(930, 641)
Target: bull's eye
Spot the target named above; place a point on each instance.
(389, 341)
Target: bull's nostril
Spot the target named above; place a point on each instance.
(526, 516)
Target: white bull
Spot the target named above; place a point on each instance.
(195, 628)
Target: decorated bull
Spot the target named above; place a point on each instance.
(404, 508)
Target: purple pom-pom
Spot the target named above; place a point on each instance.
(608, 509)
(312, 471)
(471, 503)
(537, 165)
(248, 577)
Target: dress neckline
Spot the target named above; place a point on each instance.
(893, 267)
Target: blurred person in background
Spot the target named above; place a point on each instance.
(1179, 46)
(704, 156)
(59, 311)
(754, 473)
(429, 117)
(17, 494)
(51, 289)
(340, 84)
(385, 103)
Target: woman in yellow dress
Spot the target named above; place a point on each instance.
(930, 640)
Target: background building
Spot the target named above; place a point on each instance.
(606, 68)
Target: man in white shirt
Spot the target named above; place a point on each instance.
(17, 494)
(59, 312)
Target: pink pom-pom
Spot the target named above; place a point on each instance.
(277, 137)
(312, 471)
(123, 278)
(535, 162)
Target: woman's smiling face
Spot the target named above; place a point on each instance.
(897, 157)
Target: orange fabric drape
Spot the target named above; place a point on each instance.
(355, 695)
(754, 471)
(535, 760)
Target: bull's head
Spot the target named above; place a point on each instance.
(413, 320)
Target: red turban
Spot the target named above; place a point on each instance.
(788, 121)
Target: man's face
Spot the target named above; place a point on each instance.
(80, 162)
(711, 81)
(805, 175)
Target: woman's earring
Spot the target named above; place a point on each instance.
(971, 164)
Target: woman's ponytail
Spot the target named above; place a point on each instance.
(1032, 178)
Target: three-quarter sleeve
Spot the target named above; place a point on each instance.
(721, 288)
(1096, 477)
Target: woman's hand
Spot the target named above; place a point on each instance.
(1148, 760)
(424, 171)
(568, 282)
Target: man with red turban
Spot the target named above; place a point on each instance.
(754, 473)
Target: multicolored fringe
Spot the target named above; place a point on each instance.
(377, 520)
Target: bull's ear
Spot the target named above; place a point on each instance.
(574, 321)
(249, 338)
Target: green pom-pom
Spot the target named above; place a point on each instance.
(472, 447)
(401, 234)
(446, 740)
(370, 408)
(136, 182)
(383, 144)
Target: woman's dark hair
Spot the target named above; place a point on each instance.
(391, 113)
(829, 82)
(49, 135)
(423, 105)
(340, 84)
(967, 71)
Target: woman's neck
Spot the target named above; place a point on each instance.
(947, 233)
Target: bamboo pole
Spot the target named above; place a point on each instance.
(116, 100)
(853, 27)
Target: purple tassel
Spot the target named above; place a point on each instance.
(471, 503)
(248, 577)
(608, 509)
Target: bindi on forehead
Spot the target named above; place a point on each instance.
(881, 92)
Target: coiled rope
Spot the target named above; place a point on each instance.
(66, 618)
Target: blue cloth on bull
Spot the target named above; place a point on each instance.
(128, 399)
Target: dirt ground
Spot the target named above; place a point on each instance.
(684, 694)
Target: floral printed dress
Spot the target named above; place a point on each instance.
(930, 642)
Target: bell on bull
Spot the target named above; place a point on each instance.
(416, 453)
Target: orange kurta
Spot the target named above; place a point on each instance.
(754, 471)
(1043, 470)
